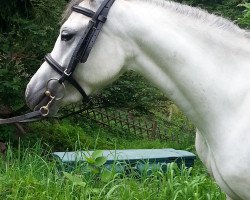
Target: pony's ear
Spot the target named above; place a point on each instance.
(68, 10)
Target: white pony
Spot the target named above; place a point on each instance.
(200, 61)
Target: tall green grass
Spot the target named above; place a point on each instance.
(30, 173)
(65, 135)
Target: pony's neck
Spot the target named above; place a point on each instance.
(203, 69)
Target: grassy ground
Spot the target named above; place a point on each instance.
(30, 173)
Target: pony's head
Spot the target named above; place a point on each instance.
(104, 64)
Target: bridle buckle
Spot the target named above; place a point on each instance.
(66, 73)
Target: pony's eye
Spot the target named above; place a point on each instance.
(66, 36)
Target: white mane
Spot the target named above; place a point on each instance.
(199, 14)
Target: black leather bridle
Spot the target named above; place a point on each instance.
(80, 55)
(84, 46)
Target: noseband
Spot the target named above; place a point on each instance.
(80, 55)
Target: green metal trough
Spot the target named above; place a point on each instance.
(139, 159)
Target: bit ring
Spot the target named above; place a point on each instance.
(48, 93)
(44, 110)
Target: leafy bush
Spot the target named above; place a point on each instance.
(132, 91)
(245, 19)
(226, 8)
(28, 30)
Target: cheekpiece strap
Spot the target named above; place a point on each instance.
(70, 79)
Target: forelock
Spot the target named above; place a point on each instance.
(67, 12)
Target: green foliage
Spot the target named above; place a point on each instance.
(225, 8)
(81, 133)
(32, 174)
(11, 85)
(12, 10)
(134, 92)
(64, 135)
(245, 19)
(76, 180)
(95, 161)
(26, 35)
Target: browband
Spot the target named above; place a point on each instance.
(84, 11)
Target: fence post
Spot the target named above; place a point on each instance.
(154, 126)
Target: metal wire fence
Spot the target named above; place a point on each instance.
(142, 126)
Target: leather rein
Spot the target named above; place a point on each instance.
(80, 55)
